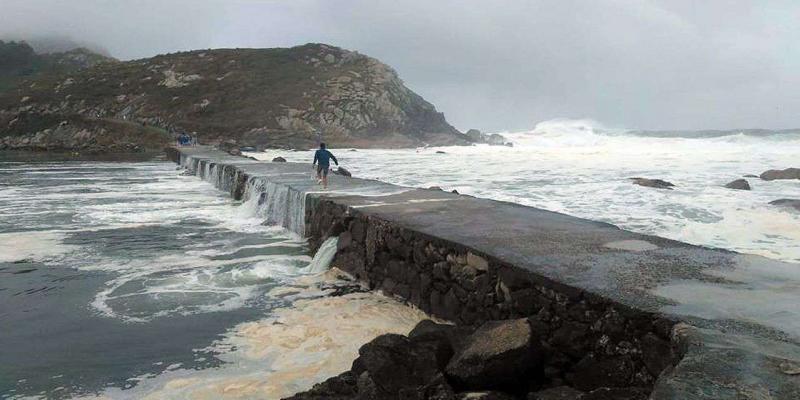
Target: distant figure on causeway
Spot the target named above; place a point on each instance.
(322, 162)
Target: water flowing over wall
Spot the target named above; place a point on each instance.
(277, 203)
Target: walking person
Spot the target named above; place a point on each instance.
(322, 162)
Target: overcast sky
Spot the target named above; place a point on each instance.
(496, 65)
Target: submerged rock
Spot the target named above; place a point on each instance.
(791, 203)
(788, 173)
(440, 152)
(235, 152)
(653, 183)
(739, 184)
(496, 354)
(278, 159)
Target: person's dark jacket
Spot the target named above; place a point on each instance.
(324, 157)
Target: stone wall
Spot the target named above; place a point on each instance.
(590, 341)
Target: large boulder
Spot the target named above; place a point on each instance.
(475, 135)
(739, 184)
(442, 339)
(497, 354)
(278, 159)
(788, 173)
(653, 183)
(392, 363)
(496, 139)
(791, 203)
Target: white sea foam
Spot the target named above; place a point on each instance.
(582, 168)
(296, 347)
(32, 246)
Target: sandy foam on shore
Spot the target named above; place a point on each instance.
(315, 338)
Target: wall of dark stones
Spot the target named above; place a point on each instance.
(590, 340)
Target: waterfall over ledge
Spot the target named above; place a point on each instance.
(278, 203)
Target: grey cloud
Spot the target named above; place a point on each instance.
(495, 65)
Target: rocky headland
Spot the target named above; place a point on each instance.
(283, 97)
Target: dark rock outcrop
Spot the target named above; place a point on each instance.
(790, 203)
(497, 354)
(653, 183)
(739, 184)
(788, 173)
(279, 159)
(494, 139)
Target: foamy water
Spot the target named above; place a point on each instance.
(127, 280)
(579, 169)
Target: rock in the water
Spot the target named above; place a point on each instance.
(739, 184)
(653, 183)
(788, 173)
(235, 152)
(440, 152)
(496, 139)
(556, 393)
(247, 148)
(791, 203)
(750, 176)
(278, 159)
(454, 191)
(343, 172)
(475, 135)
(435, 188)
(496, 354)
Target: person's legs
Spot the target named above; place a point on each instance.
(325, 177)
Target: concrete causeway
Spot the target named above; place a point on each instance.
(727, 324)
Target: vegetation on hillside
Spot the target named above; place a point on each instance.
(286, 97)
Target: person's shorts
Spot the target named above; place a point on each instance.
(323, 169)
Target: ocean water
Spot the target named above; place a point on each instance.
(128, 280)
(580, 168)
